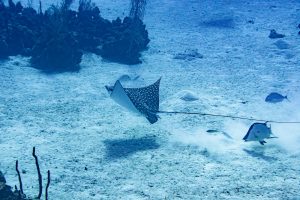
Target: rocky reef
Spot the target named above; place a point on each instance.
(57, 38)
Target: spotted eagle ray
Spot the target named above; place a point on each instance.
(144, 100)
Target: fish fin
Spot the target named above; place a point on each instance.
(109, 88)
(262, 142)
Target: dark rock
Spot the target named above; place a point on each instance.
(56, 49)
(125, 42)
(2, 6)
(19, 38)
(16, 34)
(56, 52)
(274, 34)
(11, 5)
(89, 26)
(56, 38)
(6, 192)
(2, 178)
(19, 7)
(4, 52)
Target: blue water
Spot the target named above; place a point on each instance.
(220, 52)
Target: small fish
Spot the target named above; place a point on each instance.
(212, 131)
(275, 97)
(258, 132)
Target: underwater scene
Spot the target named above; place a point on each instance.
(149, 99)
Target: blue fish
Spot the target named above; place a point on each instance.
(275, 97)
(259, 132)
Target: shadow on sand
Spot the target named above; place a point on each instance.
(125, 147)
(220, 23)
(260, 155)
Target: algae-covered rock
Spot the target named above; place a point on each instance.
(125, 42)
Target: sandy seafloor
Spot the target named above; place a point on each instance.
(74, 124)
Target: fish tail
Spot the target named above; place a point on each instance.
(287, 98)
